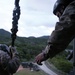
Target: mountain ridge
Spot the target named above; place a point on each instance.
(4, 33)
(7, 33)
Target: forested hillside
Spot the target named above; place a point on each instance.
(29, 47)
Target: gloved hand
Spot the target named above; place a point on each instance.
(44, 55)
(13, 51)
(39, 58)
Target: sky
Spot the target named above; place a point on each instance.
(36, 19)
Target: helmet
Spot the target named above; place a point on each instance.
(57, 6)
(59, 3)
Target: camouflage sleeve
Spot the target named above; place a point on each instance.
(7, 63)
(46, 52)
(13, 64)
(63, 33)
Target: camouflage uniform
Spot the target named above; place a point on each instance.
(8, 65)
(64, 32)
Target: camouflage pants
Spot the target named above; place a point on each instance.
(64, 32)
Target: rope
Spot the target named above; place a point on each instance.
(16, 16)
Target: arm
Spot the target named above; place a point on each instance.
(14, 62)
(62, 35)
